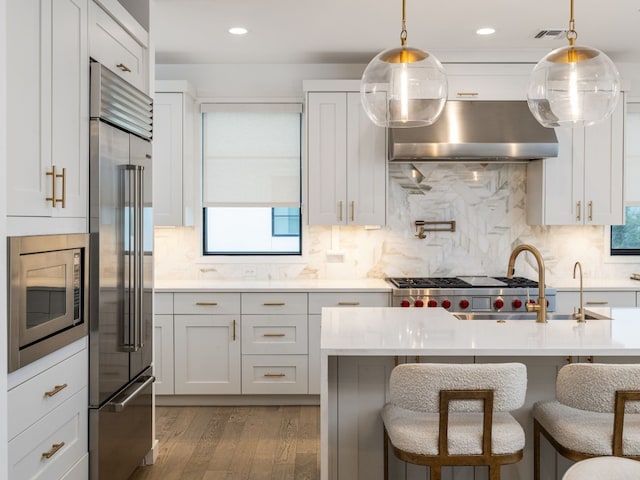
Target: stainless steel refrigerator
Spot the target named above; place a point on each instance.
(121, 276)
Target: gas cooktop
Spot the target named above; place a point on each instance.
(462, 282)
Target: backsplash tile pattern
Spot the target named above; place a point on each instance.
(487, 201)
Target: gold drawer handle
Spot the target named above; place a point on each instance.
(54, 176)
(54, 449)
(348, 303)
(273, 304)
(123, 67)
(467, 94)
(273, 335)
(275, 375)
(597, 303)
(206, 304)
(55, 390)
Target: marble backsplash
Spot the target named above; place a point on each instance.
(486, 201)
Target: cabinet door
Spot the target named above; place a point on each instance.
(48, 106)
(487, 87)
(603, 171)
(207, 354)
(366, 167)
(167, 154)
(327, 157)
(568, 301)
(163, 354)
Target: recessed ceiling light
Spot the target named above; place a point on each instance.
(486, 31)
(238, 30)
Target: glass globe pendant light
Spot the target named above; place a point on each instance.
(403, 87)
(573, 86)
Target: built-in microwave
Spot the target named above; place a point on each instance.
(48, 294)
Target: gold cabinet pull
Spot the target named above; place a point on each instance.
(274, 375)
(467, 94)
(346, 304)
(340, 210)
(273, 334)
(578, 213)
(234, 330)
(206, 304)
(353, 211)
(123, 67)
(57, 389)
(273, 304)
(54, 449)
(596, 302)
(590, 211)
(54, 176)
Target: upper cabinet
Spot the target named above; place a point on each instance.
(48, 134)
(584, 184)
(174, 154)
(118, 42)
(487, 82)
(346, 161)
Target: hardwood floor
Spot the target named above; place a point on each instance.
(236, 443)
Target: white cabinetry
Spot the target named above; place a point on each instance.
(274, 343)
(48, 416)
(487, 82)
(48, 135)
(346, 161)
(173, 153)
(207, 343)
(569, 300)
(116, 48)
(584, 184)
(163, 344)
(317, 300)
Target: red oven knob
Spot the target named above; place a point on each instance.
(517, 303)
(418, 303)
(432, 303)
(446, 304)
(498, 304)
(405, 303)
(531, 300)
(464, 304)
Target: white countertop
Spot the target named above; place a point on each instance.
(347, 284)
(434, 331)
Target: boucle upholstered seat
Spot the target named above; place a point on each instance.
(586, 420)
(604, 468)
(455, 414)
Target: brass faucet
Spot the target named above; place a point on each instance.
(580, 313)
(541, 306)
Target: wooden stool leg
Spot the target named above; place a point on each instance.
(386, 454)
(436, 472)
(494, 472)
(536, 450)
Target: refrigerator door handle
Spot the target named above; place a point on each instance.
(140, 254)
(121, 405)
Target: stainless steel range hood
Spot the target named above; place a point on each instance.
(486, 131)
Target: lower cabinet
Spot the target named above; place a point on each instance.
(568, 300)
(207, 354)
(48, 417)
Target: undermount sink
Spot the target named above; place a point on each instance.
(526, 316)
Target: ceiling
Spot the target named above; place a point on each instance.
(353, 31)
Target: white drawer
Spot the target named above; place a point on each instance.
(269, 303)
(274, 374)
(274, 334)
(80, 471)
(66, 425)
(163, 303)
(36, 397)
(206, 303)
(111, 45)
(346, 299)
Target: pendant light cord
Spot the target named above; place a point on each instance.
(572, 34)
(403, 32)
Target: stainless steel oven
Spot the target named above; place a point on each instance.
(48, 294)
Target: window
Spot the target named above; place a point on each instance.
(625, 239)
(251, 179)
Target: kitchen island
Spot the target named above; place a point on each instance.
(359, 347)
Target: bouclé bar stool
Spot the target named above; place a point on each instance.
(604, 468)
(596, 413)
(455, 414)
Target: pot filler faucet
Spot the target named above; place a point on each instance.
(541, 306)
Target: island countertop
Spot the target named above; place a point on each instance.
(434, 331)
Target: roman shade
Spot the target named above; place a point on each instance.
(251, 154)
